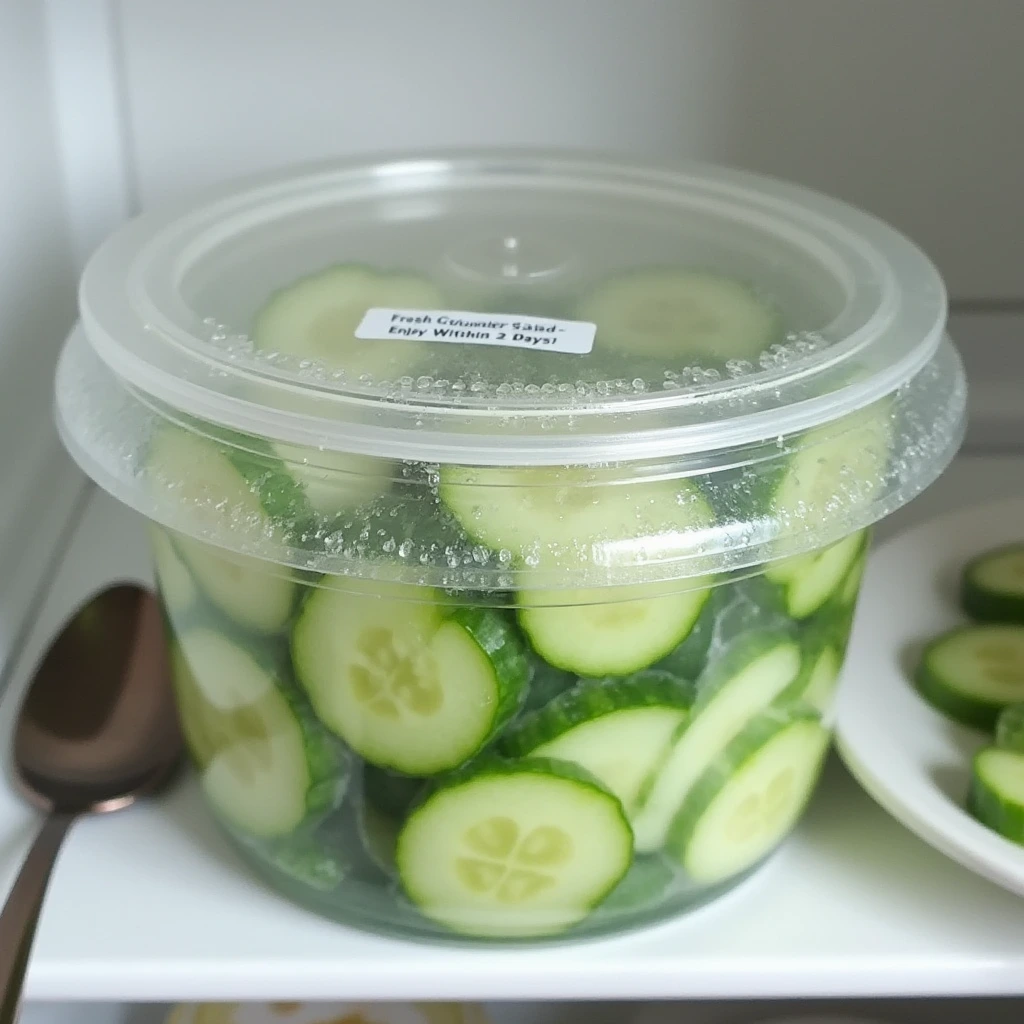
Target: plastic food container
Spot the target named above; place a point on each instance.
(509, 511)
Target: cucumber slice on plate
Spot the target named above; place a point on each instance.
(811, 580)
(1010, 728)
(557, 517)
(617, 730)
(514, 850)
(992, 586)
(614, 632)
(970, 674)
(417, 687)
(738, 688)
(266, 764)
(750, 797)
(316, 319)
(177, 589)
(678, 314)
(996, 794)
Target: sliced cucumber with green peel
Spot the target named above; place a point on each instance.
(843, 464)
(644, 886)
(335, 482)
(239, 490)
(266, 764)
(514, 850)
(559, 517)
(1010, 728)
(389, 792)
(418, 687)
(738, 688)
(992, 585)
(688, 659)
(811, 580)
(617, 730)
(996, 794)
(256, 595)
(308, 859)
(177, 589)
(970, 674)
(747, 801)
(850, 589)
(378, 834)
(316, 319)
(385, 799)
(819, 679)
(593, 633)
(546, 683)
(677, 313)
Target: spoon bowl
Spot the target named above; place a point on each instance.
(96, 730)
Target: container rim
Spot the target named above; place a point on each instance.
(140, 326)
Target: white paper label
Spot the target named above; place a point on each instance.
(536, 332)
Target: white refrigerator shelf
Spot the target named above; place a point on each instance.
(152, 905)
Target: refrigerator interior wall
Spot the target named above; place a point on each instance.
(37, 307)
(911, 110)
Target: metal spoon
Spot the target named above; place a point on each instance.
(97, 729)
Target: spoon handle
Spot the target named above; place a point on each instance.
(21, 912)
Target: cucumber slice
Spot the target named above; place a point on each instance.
(817, 683)
(688, 659)
(617, 730)
(992, 587)
(644, 886)
(316, 319)
(335, 482)
(850, 590)
(308, 859)
(378, 834)
(996, 794)
(389, 792)
(386, 799)
(174, 582)
(811, 580)
(415, 687)
(840, 465)
(546, 683)
(617, 632)
(256, 595)
(676, 313)
(738, 687)
(225, 488)
(551, 517)
(750, 797)
(970, 674)
(266, 764)
(515, 850)
(1010, 728)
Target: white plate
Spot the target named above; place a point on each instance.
(911, 759)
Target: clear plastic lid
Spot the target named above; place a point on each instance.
(591, 373)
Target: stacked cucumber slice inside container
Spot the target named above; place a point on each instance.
(509, 514)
